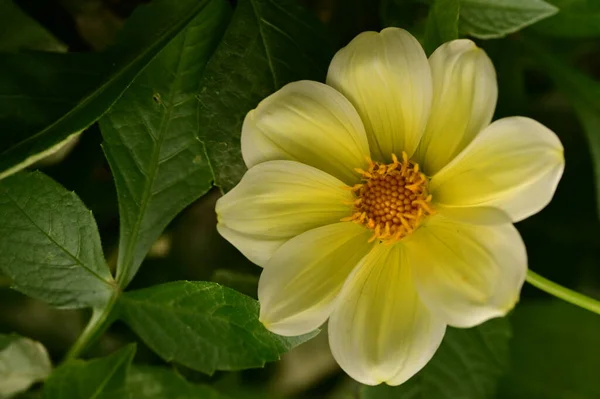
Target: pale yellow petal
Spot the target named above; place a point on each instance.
(387, 78)
(515, 165)
(276, 201)
(380, 331)
(308, 122)
(300, 283)
(465, 273)
(464, 98)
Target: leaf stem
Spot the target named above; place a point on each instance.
(557, 290)
(96, 325)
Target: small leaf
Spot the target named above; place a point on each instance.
(96, 378)
(467, 365)
(23, 362)
(442, 24)
(144, 382)
(49, 243)
(158, 164)
(576, 19)
(555, 353)
(203, 326)
(42, 108)
(19, 31)
(490, 19)
(269, 43)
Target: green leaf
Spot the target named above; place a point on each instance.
(442, 24)
(584, 95)
(158, 164)
(576, 19)
(144, 382)
(555, 353)
(22, 363)
(49, 243)
(19, 31)
(42, 108)
(269, 43)
(490, 19)
(467, 365)
(203, 326)
(92, 379)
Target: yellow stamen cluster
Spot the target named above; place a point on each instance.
(392, 199)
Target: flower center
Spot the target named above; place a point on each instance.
(392, 199)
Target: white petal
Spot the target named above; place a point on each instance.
(308, 122)
(514, 164)
(387, 78)
(299, 284)
(464, 98)
(467, 273)
(276, 201)
(380, 331)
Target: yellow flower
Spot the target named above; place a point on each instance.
(384, 201)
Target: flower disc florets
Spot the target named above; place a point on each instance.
(392, 200)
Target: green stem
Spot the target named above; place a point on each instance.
(96, 325)
(563, 293)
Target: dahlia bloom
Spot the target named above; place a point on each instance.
(384, 201)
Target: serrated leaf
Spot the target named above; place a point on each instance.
(19, 31)
(93, 379)
(158, 164)
(42, 108)
(442, 24)
(49, 243)
(555, 353)
(576, 19)
(583, 93)
(269, 43)
(203, 326)
(490, 19)
(23, 362)
(144, 382)
(468, 365)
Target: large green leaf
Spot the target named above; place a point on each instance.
(555, 353)
(22, 363)
(442, 24)
(489, 19)
(19, 31)
(158, 163)
(94, 379)
(47, 98)
(467, 365)
(204, 326)
(584, 95)
(49, 243)
(577, 18)
(268, 44)
(144, 382)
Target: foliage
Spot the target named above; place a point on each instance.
(147, 134)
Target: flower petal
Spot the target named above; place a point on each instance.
(467, 273)
(464, 98)
(380, 331)
(299, 284)
(514, 164)
(276, 201)
(308, 122)
(387, 78)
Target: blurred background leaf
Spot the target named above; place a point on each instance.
(555, 353)
(23, 362)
